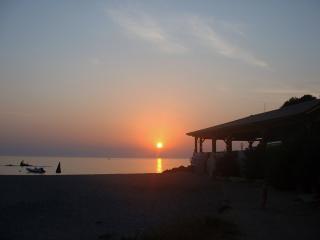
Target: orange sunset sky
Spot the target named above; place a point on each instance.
(113, 78)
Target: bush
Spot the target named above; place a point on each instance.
(254, 163)
(228, 165)
(279, 167)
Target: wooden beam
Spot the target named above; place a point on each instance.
(228, 142)
(195, 145)
(214, 145)
(201, 144)
(250, 144)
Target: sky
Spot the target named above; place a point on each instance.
(112, 78)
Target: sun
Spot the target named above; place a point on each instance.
(159, 145)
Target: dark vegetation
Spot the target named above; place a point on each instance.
(254, 163)
(179, 169)
(274, 164)
(293, 165)
(296, 100)
(228, 165)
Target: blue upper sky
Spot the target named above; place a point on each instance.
(73, 74)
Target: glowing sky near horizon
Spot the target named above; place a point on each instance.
(115, 77)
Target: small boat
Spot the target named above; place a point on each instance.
(23, 164)
(36, 170)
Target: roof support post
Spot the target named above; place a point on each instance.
(201, 144)
(228, 142)
(214, 145)
(250, 144)
(195, 145)
(264, 139)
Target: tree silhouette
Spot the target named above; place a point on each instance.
(296, 100)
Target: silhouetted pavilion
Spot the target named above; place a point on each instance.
(277, 125)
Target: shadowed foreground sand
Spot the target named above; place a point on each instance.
(97, 206)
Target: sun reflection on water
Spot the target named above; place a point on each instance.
(159, 165)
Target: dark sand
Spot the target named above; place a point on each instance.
(86, 207)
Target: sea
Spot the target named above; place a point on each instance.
(10, 165)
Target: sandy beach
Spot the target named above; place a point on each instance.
(114, 206)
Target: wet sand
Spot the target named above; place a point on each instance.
(97, 206)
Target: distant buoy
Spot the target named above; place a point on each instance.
(58, 168)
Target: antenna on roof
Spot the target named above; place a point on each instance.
(264, 107)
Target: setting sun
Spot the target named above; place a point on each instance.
(159, 145)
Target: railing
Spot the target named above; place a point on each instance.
(205, 162)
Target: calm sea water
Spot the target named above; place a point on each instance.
(90, 165)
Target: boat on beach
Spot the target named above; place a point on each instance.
(36, 170)
(23, 164)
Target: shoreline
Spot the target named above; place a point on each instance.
(76, 175)
(94, 166)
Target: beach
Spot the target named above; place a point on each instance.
(119, 206)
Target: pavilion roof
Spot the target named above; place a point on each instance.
(251, 127)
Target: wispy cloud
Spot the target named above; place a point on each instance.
(221, 45)
(234, 27)
(148, 29)
(145, 28)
